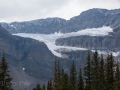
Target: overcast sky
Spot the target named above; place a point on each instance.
(24, 10)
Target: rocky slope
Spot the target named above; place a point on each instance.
(92, 18)
(48, 25)
(109, 43)
(29, 60)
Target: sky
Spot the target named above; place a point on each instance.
(25, 10)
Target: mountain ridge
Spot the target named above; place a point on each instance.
(92, 18)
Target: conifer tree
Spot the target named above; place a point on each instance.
(5, 79)
(87, 73)
(38, 87)
(80, 83)
(56, 76)
(73, 76)
(43, 87)
(101, 77)
(95, 71)
(49, 85)
(64, 81)
(117, 78)
(109, 72)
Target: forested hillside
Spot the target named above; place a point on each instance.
(99, 73)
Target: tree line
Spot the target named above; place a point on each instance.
(99, 73)
(5, 79)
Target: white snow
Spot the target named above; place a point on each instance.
(106, 52)
(13, 26)
(49, 39)
(23, 68)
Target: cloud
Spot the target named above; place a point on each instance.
(22, 10)
(75, 7)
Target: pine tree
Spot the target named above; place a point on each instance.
(73, 76)
(101, 85)
(95, 71)
(80, 83)
(109, 72)
(5, 79)
(56, 76)
(64, 81)
(87, 73)
(117, 78)
(38, 87)
(49, 85)
(43, 87)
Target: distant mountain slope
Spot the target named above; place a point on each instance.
(106, 43)
(92, 18)
(48, 25)
(29, 60)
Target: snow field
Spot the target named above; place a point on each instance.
(49, 39)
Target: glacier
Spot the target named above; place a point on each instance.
(49, 39)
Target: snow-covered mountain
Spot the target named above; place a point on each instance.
(93, 22)
(49, 25)
(93, 18)
(94, 29)
(56, 48)
(49, 39)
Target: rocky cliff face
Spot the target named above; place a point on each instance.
(92, 18)
(95, 18)
(109, 43)
(29, 60)
(48, 25)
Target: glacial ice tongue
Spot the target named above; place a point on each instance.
(49, 39)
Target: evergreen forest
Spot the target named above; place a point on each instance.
(99, 73)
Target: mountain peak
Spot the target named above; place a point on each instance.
(92, 18)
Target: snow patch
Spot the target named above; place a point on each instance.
(106, 52)
(13, 26)
(23, 68)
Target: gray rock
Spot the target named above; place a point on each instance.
(92, 18)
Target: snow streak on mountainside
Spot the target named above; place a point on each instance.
(49, 39)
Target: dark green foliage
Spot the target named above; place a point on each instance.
(64, 85)
(95, 71)
(49, 85)
(98, 75)
(80, 83)
(101, 74)
(73, 76)
(109, 72)
(88, 73)
(117, 78)
(56, 75)
(43, 87)
(37, 87)
(5, 79)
